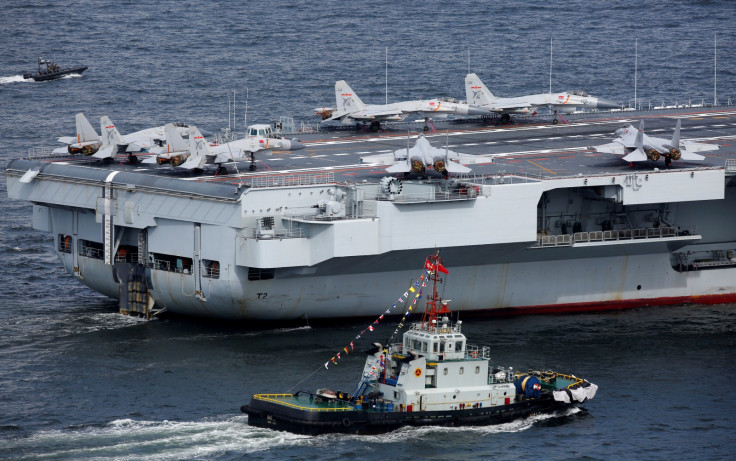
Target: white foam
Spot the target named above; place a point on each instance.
(13, 79)
(131, 439)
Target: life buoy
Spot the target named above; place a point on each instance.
(346, 422)
(474, 354)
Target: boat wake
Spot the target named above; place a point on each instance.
(126, 438)
(205, 439)
(20, 79)
(13, 79)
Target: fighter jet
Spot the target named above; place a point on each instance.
(478, 94)
(201, 153)
(635, 146)
(88, 142)
(148, 140)
(351, 109)
(175, 151)
(416, 159)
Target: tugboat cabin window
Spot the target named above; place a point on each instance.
(435, 347)
(462, 370)
(458, 346)
(444, 371)
(477, 370)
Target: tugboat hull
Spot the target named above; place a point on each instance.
(279, 417)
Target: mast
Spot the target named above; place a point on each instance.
(435, 306)
(636, 62)
(715, 69)
(550, 65)
(387, 75)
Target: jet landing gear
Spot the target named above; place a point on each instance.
(252, 166)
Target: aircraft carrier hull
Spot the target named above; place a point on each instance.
(315, 243)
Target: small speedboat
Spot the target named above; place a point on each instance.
(47, 70)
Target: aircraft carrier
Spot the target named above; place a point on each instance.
(546, 225)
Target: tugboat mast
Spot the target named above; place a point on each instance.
(435, 305)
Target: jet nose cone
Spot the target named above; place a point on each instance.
(475, 110)
(606, 104)
(296, 145)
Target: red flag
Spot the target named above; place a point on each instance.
(441, 268)
(428, 265)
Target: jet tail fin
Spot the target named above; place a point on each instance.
(676, 137)
(476, 92)
(110, 134)
(85, 132)
(346, 99)
(174, 140)
(639, 141)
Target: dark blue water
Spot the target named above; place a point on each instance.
(79, 381)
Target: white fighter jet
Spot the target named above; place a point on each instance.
(88, 142)
(351, 109)
(635, 146)
(416, 159)
(201, 153)
(478, 94)
(197, 152)
(176, 149)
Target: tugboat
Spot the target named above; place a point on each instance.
(432, 378)
(52, 71)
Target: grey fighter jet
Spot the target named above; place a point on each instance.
(478, 94)
(635, 146)
(422, 155)
(351, 109)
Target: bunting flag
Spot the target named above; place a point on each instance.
(413, 288)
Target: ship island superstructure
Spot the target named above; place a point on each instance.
(545, 225)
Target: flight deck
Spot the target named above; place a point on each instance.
(530, 148)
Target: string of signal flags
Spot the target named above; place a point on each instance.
(409, 298)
